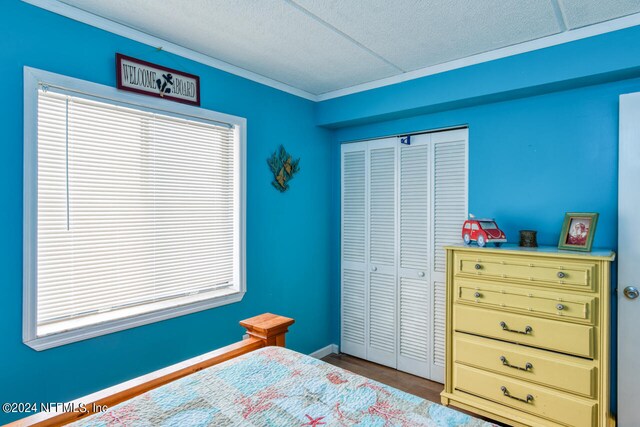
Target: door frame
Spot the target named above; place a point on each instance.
(628, 250)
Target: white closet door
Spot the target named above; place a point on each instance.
(414, 225)
(400, 205)
(354, 265)
(449, 150)
(382, 252)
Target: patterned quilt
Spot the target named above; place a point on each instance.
(274, 386)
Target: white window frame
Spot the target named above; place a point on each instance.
(35, 78)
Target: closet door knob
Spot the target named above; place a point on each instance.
(374, 268)
(560, 307)
(477, 266)
(561, 275)
(421, 274)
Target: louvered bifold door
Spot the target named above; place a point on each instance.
(382, 252)
(449, 213)
(401, 204)
(354, 270)
(414, 203)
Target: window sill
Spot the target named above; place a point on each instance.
(102, 324)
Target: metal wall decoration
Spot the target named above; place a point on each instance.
(283, 168)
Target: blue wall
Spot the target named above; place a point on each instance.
(543, 135)
(605, 58)
(543, 130)
(530, 161)
(288, 254)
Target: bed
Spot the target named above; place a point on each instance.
(268, 385)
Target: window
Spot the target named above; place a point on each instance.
(467, 226)
(134, 212)
(474, 226)
(488, 225)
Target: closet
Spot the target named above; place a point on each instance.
(400, 204)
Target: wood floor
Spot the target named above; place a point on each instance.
(421, 387)
(429, 390)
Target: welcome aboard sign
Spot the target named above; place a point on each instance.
(150, 79)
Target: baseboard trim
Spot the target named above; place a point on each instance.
(325, 351)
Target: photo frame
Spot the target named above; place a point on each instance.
(578, 230)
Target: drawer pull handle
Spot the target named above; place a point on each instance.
(561, 275)
(560, 307)
(478, 267)
(527, 367)
(528, 399)
(527, 329)
(477, 295)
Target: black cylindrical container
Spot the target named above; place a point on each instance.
(528, 239)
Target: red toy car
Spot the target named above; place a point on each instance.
(482, 231)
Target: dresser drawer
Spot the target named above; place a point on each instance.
(554, 335)
(560, 273)
(555, 370)
(541, 401)
(526, 300)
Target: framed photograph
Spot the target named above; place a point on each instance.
(578, 230)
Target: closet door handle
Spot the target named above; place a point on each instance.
(505, 392)
(421, 274)
(374, 268)
(527, 329)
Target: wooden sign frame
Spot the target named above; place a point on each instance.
(146, 78)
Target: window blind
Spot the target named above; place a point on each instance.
(134, 208)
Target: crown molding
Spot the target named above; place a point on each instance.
(88, 18)
(541, 43)
(142, 37)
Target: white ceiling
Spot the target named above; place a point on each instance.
(321, 46)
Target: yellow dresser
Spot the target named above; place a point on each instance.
(528, 335)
